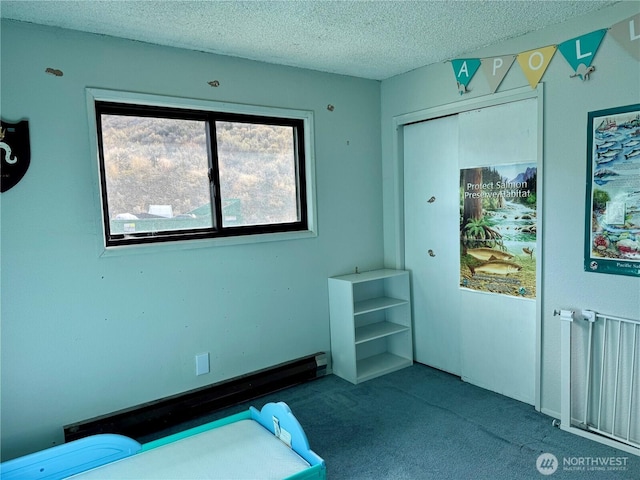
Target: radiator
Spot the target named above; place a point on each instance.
(143, 422)
(600, 378)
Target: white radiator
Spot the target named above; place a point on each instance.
(601, 378)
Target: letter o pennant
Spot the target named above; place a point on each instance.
(535, 62)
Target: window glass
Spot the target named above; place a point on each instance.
(257, 167)
(156, 174)
(177, 174)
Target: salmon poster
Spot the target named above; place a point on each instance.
(612, 236)
(498, 229)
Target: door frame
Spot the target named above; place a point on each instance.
(397, 165)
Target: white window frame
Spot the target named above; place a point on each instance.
(93, 95)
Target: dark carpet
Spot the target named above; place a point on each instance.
(420, 423)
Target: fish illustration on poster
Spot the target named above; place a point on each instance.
(612, 218)
(498, 229)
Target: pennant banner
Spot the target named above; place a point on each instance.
(495, 69)
(464, 70)
(579, 51)
(627, 34)
(535, 62)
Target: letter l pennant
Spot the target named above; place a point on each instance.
(627, 34)
(581, 50)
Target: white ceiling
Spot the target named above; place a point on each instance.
(372, 39)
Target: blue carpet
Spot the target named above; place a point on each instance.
(420, 423)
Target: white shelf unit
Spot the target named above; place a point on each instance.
(371, 331)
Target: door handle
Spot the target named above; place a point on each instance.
(431, 254)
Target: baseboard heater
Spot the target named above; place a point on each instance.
(149, 418)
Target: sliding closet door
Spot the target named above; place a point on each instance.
(431, 239)
(467, 323)
(498, 338)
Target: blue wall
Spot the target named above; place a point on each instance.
(567, 101)
(85, 334)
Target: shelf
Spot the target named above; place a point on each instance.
(378, 330)
(370, 315)
(381, 364)
(379, 303)
(370, 275)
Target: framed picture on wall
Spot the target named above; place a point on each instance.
(612, 233)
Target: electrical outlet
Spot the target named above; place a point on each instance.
(202, 363)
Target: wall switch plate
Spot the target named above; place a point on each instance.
(202, 363)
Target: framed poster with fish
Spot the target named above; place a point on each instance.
(612, 219)
(498, 229)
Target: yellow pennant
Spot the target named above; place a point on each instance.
(535, 62)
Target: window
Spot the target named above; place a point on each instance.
(172, 173)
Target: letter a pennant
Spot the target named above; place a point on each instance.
(581, 50)
(495, 69)
(535, 62)
(464, 70)
(627, 34)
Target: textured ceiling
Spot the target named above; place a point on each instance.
(371, 39)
